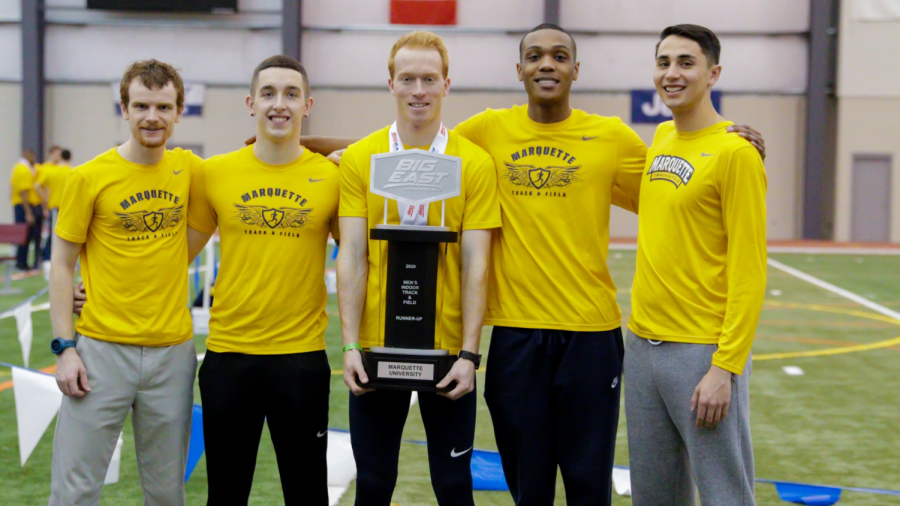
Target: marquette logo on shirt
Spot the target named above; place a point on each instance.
(672, 169)
(541, 177)
(273, 218)
(151, 221)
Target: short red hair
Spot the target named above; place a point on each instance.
(425, 40)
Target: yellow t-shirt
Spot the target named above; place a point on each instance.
(54, 178)
(476, 208)
(273, 225)
(130, 218)
(23, 180)
(701, 259)
(557, 182)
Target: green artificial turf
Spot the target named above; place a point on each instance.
(834, 425)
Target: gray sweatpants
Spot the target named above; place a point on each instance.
(158, 384)
(668, 454)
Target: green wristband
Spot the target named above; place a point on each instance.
(352, 346)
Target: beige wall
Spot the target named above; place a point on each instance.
(866, 126)
(868, 109)
(82, 118)
(780, 118)
(10, 142)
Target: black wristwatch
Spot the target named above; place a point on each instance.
(472, 357)
(58, 345)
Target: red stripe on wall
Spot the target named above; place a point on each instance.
(423, 12)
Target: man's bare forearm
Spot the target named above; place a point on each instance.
(62, 274)
(475, 257)
(196, 242)
(42, 192)
(325, 145)
(25, 204)
(352, 275)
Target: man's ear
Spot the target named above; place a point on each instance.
(124, 109)
(714, 74)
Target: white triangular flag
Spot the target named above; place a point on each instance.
(112, 472)
(26, 331)
(37, 402)
(622, 481)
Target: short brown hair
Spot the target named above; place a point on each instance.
(279, 61)
(425, 40)
(155, 75)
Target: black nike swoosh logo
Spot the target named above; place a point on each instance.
(311, 180)
(587, 138)
(179, 172)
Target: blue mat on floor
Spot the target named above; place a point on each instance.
(487, 471)
(197, 446)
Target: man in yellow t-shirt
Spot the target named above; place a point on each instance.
(27, 209)
(698, 291)
(418, 68)
(51, 181)
(274, 204)
(123, 214)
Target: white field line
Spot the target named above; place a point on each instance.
(810, 250)
(825, 250)
(878, 308)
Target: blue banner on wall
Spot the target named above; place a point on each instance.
(648, 107)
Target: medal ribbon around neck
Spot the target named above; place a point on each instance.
(411, 213)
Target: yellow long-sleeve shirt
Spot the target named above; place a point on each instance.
(701, 261)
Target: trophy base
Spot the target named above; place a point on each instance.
(407, 369)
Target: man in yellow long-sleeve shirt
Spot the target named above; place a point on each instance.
(697, 294)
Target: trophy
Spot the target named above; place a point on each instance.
(408, 360)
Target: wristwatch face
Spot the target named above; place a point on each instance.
(55, 345)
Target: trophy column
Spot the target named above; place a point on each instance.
(411, 295)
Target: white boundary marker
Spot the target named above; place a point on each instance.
(878, 308)
(826, 250)
(810, 250)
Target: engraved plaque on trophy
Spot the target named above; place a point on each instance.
(408, 360)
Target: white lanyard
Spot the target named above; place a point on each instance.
(410, 213)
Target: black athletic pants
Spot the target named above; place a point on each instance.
(34, 236)
(290, 393)
(376, 426)
(554, 401)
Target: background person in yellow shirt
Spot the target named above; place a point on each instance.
(27, 209)
(418, 68)
(697, 294)
(131, 348)
(51, 181)
(274, 204)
